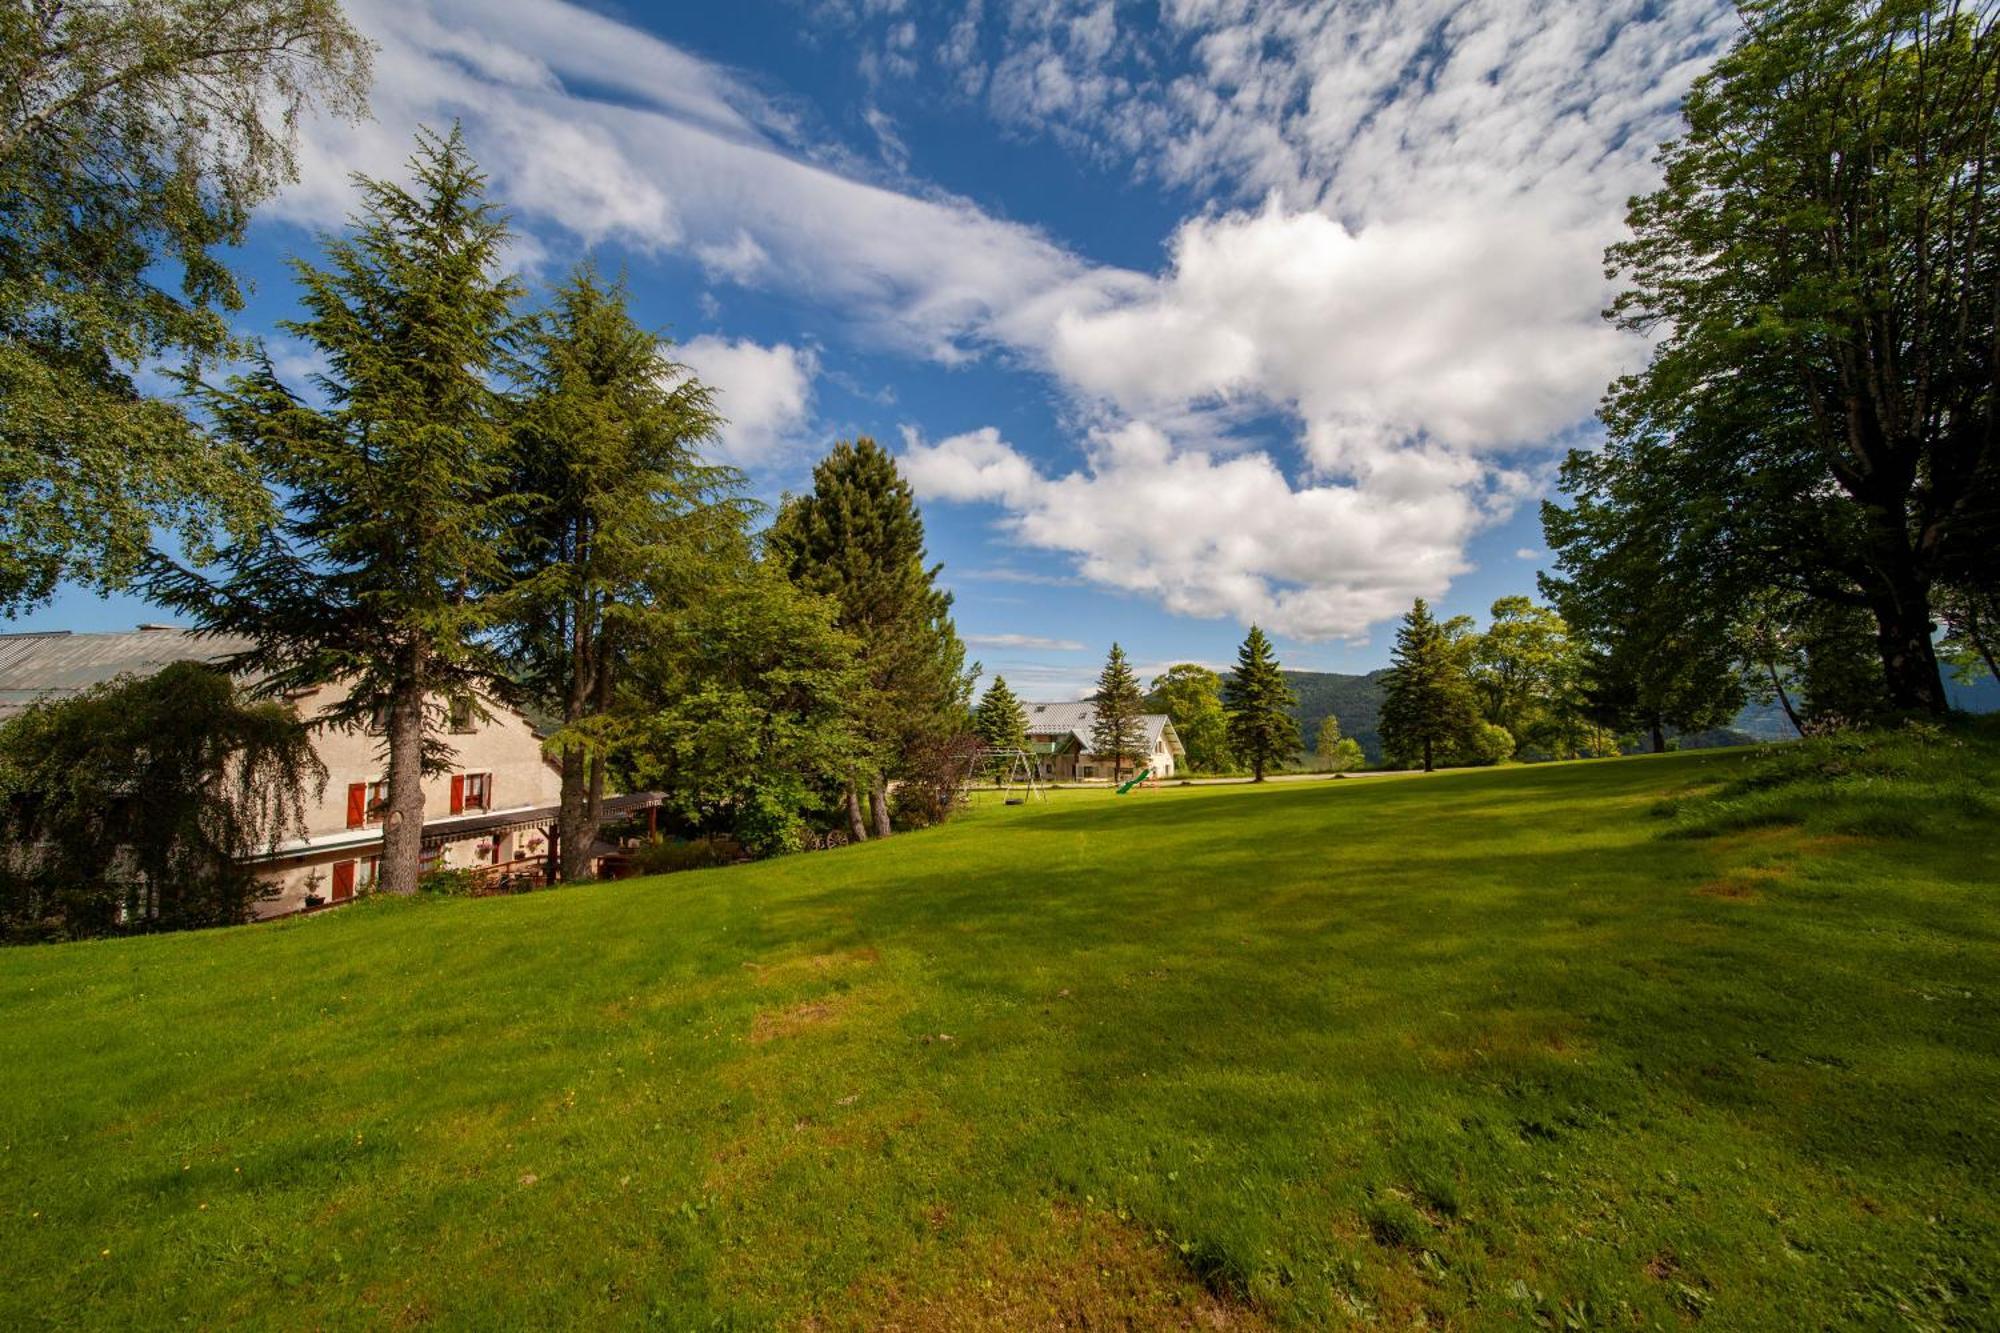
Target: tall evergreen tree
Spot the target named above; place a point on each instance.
(858, 539)
(1262, 730)
(1428, 709)
(392, 494)
(1114, 727)
(614, 531)
(1001, 721)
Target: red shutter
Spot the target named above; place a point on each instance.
(458, 793)
(357, 804)
(343, 881)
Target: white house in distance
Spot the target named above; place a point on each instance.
(1059, 739)
(494, 810)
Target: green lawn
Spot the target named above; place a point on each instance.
(1481, 1049)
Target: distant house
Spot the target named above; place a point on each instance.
(494, 810)
(1059, 739)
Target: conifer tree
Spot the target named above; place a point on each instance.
(1000, 721)
(619, 531)
(858, 539)
(1261, 729)
(1115, 729)
(1428, 709)
(392, 493)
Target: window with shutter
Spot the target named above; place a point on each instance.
(357, 804)
(458, 793)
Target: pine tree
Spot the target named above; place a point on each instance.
(858, 539)
(605, 438)
(392, 494)
(1115, 729)
(1261, 729)
(1001, 722)
(1428, 709)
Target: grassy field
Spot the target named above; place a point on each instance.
(1563, 1046)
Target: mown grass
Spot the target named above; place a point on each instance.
(1570, 1046)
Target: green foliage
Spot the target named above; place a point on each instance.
(1192, 696)
(1262, 733)
(741, 709)
(450, 882)
(1428, 711)
(665, 856)
(134, 142)
(1346, 757)
(1355, 700)
(1528, 676)
(1818, 269)
(1971, 626)
(1326, 743)
(393, 494)
(1488, 744)
(619, 522)
(1001, 721)
(1115, 729)
(858, 540)
(134, 806)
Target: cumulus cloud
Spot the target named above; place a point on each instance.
(1396, 250)
(763, 393)
(1209, 535)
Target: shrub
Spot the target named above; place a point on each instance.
(667, 856)
(449, 883)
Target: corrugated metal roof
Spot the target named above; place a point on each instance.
(1076, 718)
(33, 666)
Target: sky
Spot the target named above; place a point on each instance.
(1178, 316)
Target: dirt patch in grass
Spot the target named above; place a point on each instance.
(1735, 889)
(1082, 1269)
(786, 971)
(772, 1024)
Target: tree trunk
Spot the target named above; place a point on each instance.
(1427, 754)
(1783, 698)
(1659, 736)
(1899, 597)
(878, 805)
(570, 820)
(856, 829)
(403, 827)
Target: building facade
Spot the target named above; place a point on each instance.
(1059, 738)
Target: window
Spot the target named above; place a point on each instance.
(462, 719)
(368, 872)
(477, 787)
(378, 801)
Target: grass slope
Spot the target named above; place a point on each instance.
(1488, 1050)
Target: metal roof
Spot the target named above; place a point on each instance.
(1075, 719)
(37, 665)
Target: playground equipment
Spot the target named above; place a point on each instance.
(1013, 772)
(1124, 787)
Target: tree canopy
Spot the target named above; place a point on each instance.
(1192, 696)
(1115, 731)
(1428, 712)
(137, 805)
(1262, 732)
(1818, 269)
(135, 141)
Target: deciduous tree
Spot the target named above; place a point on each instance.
(135, 140)
(1192, 696)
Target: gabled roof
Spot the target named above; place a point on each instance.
(60, 663)
(1076, 718)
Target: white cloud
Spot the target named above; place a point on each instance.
(764, 393)
(1032, 641)
(1208, 535)
(1530, 553)
(1405, 208)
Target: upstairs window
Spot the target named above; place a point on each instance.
(461, 718)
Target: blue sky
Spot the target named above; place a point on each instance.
(1178, 315)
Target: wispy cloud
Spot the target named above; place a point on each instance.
(1029, 641)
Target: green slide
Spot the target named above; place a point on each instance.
(1135, 782)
